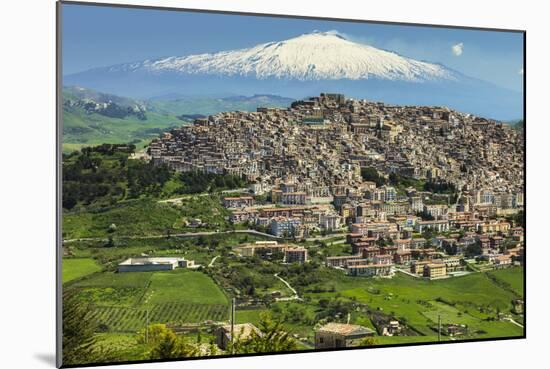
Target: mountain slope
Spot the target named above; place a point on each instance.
(313, 56)
(305, 66)
(92, 118)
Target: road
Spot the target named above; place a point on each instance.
(178, 199)
(212, 261)
(513, 322)
(294, 297)
(326, 237)
(197, 234)
(407, 273)
(188, 234)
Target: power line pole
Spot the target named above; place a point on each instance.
(439, 328)
(147, 326)
(233, 326)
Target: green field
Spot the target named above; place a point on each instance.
(135, 217)
(473, 300)
(249, 316)
(112, 347)
(512, 279)
(125, 319)
(81, 129)
(120, 301)
(77, 268)
(143, 217)
(397, 340)
(183, 285)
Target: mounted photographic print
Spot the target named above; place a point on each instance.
(238, 184)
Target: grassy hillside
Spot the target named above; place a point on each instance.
(93, 118)
(82, 129)
(120, 300)
(76, 268)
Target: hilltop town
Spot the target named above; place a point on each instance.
(396, 179)
(321, 144)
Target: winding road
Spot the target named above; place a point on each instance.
(294, 297)
(212, 261)
(187, 234)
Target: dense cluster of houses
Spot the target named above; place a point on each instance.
(307, 160)
(319, 146)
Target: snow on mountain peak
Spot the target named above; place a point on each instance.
(311, 56)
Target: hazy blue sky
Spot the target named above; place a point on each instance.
(100, 36)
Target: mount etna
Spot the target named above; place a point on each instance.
(304, 66)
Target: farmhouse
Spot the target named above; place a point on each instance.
(242, 332)
(502, 260)
(145, 264)
(336, 335)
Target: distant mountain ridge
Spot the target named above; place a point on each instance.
(103, 104)
(189, 105)
(91, 117)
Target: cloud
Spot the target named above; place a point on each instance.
(520, 72)
(457, 49)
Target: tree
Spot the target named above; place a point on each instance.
(272, 338)
(394, 179)
(112, 228)
(78, 331)
(110, 242)
(450, 249)
(474, 249)
(371, 174)
(165, 344)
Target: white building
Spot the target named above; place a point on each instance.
(144, 264)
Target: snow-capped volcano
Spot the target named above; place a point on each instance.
(312, 56)
(305, 66)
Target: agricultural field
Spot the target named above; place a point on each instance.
(77, 268)
(122, 302)
(511, 278)
(183, 285)
(473, 300)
